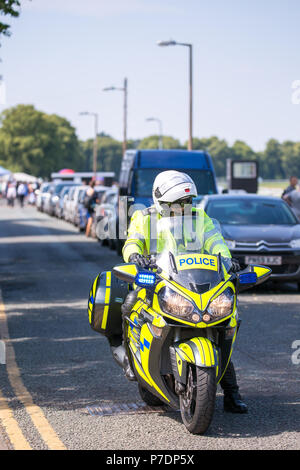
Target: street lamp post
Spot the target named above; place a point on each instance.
(95, 147)
(190, 46)
(160, 142)
(125, 91)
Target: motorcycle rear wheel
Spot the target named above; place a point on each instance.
(197, 404)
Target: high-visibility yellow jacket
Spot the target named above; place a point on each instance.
(140, 241)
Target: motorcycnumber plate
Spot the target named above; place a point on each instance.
(197, 261)
(267, 260)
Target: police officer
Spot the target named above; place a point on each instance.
(176, 189)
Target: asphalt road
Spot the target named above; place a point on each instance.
(59, 373)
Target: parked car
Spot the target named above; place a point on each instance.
(41, 193)
(53, 196)
(73, 203)
(259, 230)
(69, 204)
(82, 212)
(79, 209)
(59, 206)
(107, 208)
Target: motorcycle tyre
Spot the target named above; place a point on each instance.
(197, 407)
(149, 398)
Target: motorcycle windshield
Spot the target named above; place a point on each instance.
(183, 252)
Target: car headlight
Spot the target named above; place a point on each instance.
(230, 244)
(175, 304)
(220, 307)
(295, 243)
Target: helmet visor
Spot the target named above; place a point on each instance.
(188, 200)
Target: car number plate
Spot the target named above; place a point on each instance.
(268, 260)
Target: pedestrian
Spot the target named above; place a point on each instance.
(293, 200)
(89, 203)
(11, 194)
(291, 187)
(22, 192)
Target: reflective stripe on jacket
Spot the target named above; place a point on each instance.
(140, 241)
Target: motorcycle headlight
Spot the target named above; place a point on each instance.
(174, 304)
(221, 306)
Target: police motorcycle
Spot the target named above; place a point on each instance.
(180, 332)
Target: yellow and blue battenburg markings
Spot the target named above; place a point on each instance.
(197, 261)
(106, 300)
(92, 299)
(144, 344)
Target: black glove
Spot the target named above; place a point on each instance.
(235, 265)
(140, 260)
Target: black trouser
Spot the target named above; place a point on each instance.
(117, 340)
(229, 382)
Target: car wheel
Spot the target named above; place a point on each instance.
(298, 285)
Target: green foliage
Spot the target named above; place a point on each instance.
(37, 143)
(152, 142)
(10, 8)
(109, 154)
(218, 150)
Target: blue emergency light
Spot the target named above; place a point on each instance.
(248, 278)
(145, 279)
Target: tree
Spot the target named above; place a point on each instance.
(271, 161)
(10, 8)
(36, 142)
(242, 151)
(290, 158)
(152, 142)
(109, 155)
(218, 150)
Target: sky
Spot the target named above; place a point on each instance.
(246, 61)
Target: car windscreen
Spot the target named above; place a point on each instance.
(239, 211)
(64, 191)
(59, 187)
(144, 178)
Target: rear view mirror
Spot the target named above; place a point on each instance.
(126, 272)
(263, 273)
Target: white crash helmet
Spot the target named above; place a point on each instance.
(171, 186)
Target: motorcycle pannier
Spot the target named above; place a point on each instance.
(106, 297)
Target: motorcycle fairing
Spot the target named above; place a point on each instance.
(146, 352)
(199, 351)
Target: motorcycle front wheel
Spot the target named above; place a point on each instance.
(197, 403)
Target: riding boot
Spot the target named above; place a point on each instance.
(232, 399)
(120, 356)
